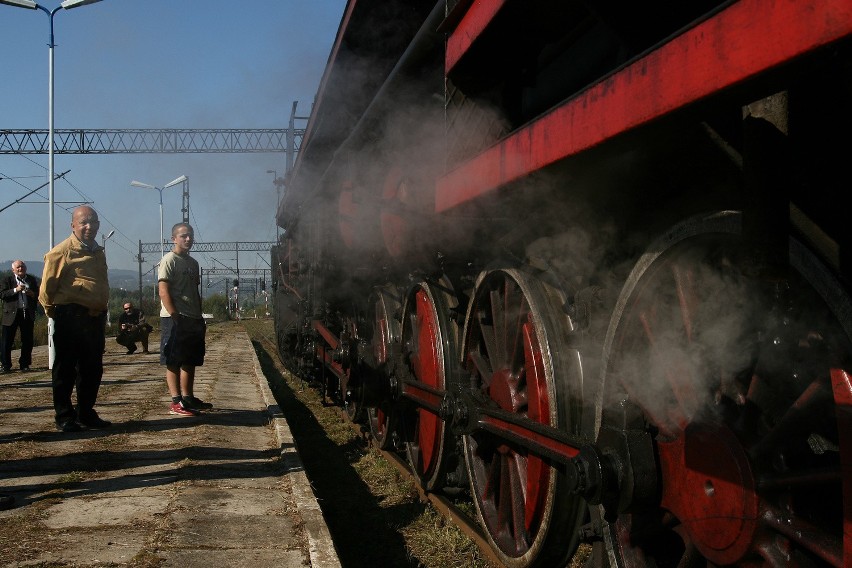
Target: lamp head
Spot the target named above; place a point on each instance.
(68, 4)
(181, 179)
(21, 3)
(135, 183)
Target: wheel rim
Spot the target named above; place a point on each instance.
(428, 344)
(749, 467)
(508, 345)
(385, 332)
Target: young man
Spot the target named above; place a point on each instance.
(182, 327)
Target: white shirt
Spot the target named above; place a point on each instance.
(22, 297)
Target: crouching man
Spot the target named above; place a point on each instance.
(132, 328)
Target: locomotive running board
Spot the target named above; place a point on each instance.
(737, 44)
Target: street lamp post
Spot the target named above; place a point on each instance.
(67, 5)
(181, 179)
(105, 237)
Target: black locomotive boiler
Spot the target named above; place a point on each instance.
(589, 263)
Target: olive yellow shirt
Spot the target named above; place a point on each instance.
(75, 273)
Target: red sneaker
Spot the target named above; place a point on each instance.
(176, 408)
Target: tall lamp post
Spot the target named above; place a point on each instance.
(67, 5)
(103, 246)
(181, 179)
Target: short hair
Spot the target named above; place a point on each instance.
(177, 226)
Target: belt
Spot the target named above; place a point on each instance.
(75, 310)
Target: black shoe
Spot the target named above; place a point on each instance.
(6, 502)
(4, 370)
(69, 426)
(131, 350)
(193, 403)
(95, 422)
(24, 369)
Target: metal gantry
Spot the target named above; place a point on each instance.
(225, 246)
(222, 246)
(153, 141)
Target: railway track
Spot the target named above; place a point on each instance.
(477, 554)
(445, 506)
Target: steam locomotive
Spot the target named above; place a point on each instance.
(588, 263)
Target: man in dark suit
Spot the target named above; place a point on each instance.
(20, 297)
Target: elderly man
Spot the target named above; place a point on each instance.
(75, 293)
(20, 296)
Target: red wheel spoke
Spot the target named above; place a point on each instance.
(517, 484)
(497, 345)
(670, 360)
(687, 298)
(487, 335)
(516, 312)
(482, 366)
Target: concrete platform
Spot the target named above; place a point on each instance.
(226, 488)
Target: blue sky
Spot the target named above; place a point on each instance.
(157, 64)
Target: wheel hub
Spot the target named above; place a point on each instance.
(709, 486)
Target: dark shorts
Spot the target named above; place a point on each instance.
(182, 344)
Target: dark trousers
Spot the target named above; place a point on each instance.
(26, 326)
(129, 338)
(78, 343)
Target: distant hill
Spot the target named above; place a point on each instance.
(128, 279)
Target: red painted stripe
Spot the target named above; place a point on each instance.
(471, 26)
(739, 42)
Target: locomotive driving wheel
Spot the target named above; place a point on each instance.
(514, 350)
(428, 341)
(732, 376)
(382, 418)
